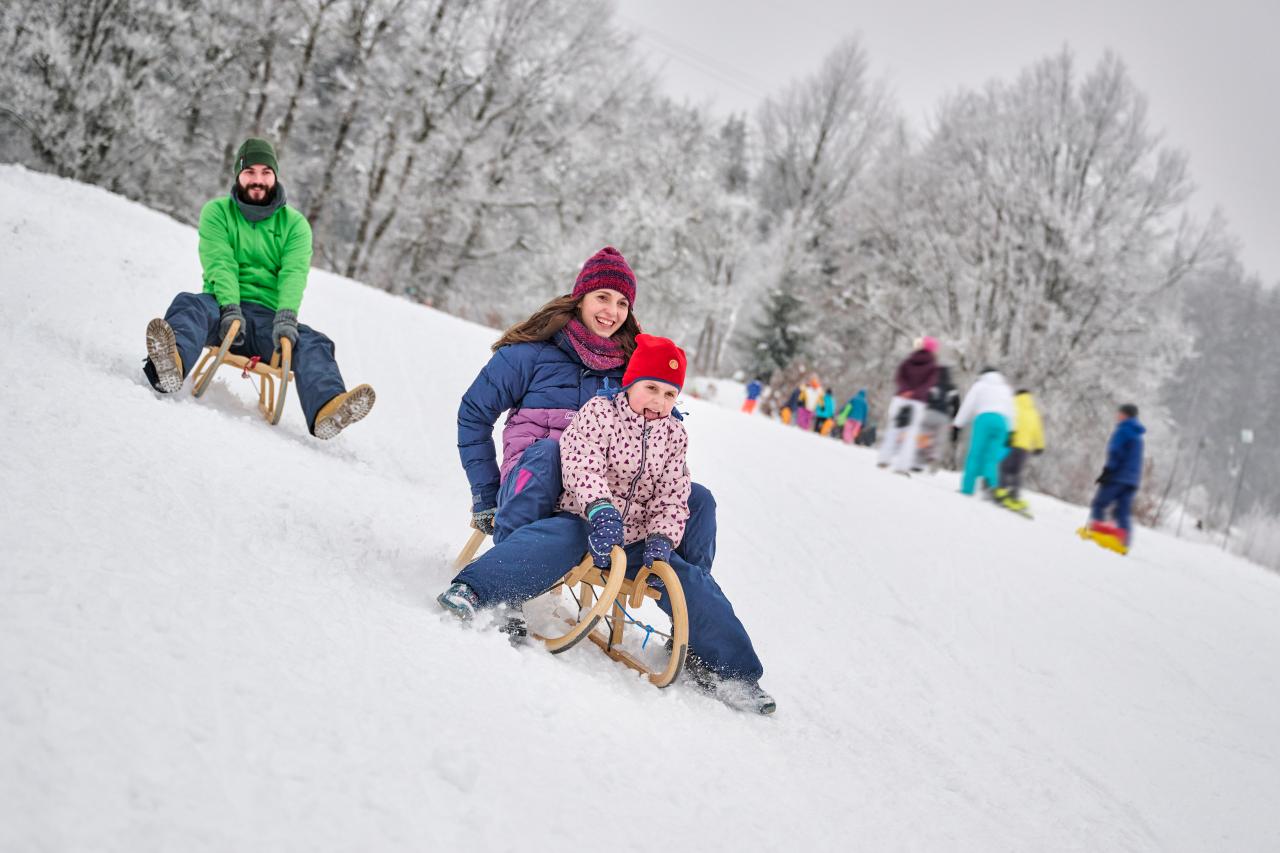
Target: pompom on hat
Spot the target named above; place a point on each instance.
(655, 358)
(606, 269)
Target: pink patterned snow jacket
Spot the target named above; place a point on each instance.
(610, 452)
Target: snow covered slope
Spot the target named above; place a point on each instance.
(218, 635)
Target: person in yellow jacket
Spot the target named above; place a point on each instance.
(1026, 439)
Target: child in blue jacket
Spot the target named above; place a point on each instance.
(1121, 476)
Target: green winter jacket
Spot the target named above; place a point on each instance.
(263, 262)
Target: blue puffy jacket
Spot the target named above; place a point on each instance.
(542, 384)
(1124, 453)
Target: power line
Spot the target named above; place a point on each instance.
(708, 65)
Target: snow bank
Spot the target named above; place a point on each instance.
(219, 635)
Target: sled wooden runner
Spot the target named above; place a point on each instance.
(604, 595)
(270, 403)
(468, 552)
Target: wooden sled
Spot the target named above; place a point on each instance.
(270, 403)
(604, 595)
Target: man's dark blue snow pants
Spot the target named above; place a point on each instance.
(1121, 496)
(532, 489)
(530, 560)
(194, 320)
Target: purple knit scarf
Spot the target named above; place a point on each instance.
(596, 352)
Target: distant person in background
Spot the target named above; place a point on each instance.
(754, 387)
(1027, 439)
(989, 406)
(867, 436)
(826, 413)
(939, 410)
(255, 251)
(853, 416)
(810, 397)
(788, 413)
(916, 375)
(1121, 476)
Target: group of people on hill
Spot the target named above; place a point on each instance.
(927, 415)
(1005, 429)
(811, 408)
(593, 449)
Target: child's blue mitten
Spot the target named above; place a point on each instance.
(606, 531)
(656, 548)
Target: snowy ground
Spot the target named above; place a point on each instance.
(217, 635)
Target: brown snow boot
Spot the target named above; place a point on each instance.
(344, 410)
(163, 359)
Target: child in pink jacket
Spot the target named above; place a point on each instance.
(625, 483)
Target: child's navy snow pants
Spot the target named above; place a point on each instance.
(530, 560)
(532, 489)
(1119, 495)
(194, 319)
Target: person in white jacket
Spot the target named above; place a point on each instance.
(989, 405)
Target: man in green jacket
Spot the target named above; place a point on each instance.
(256, 253)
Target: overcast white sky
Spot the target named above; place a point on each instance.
(1211, 70)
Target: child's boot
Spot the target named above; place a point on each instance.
(459, 600)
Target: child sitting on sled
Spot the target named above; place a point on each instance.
(625, 483)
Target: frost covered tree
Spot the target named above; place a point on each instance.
(1227, 384)
(780, 335)
(818, 140)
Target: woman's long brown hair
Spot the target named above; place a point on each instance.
(554, 316)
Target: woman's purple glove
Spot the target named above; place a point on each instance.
(606, 531)
(656, 548)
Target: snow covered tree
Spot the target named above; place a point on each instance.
(1227, 385)
(780, 334)
(818, 140)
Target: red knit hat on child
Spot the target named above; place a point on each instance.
(606, 269)
(655, 358)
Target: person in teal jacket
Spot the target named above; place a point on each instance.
(256, 253)
(826, 412)
(853, 416)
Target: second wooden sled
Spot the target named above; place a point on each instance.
(604, 595)
(270, 402)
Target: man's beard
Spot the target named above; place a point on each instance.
(268, 193)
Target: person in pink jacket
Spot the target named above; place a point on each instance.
(626, 483)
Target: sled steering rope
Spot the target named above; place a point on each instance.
(270, 403)
(603, 596)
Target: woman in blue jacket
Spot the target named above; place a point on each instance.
(542, 371)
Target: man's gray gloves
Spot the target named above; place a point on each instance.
(285, 326)
(227, 313)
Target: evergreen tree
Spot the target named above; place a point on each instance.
(778, 338)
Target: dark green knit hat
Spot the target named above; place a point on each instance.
(256, 152)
